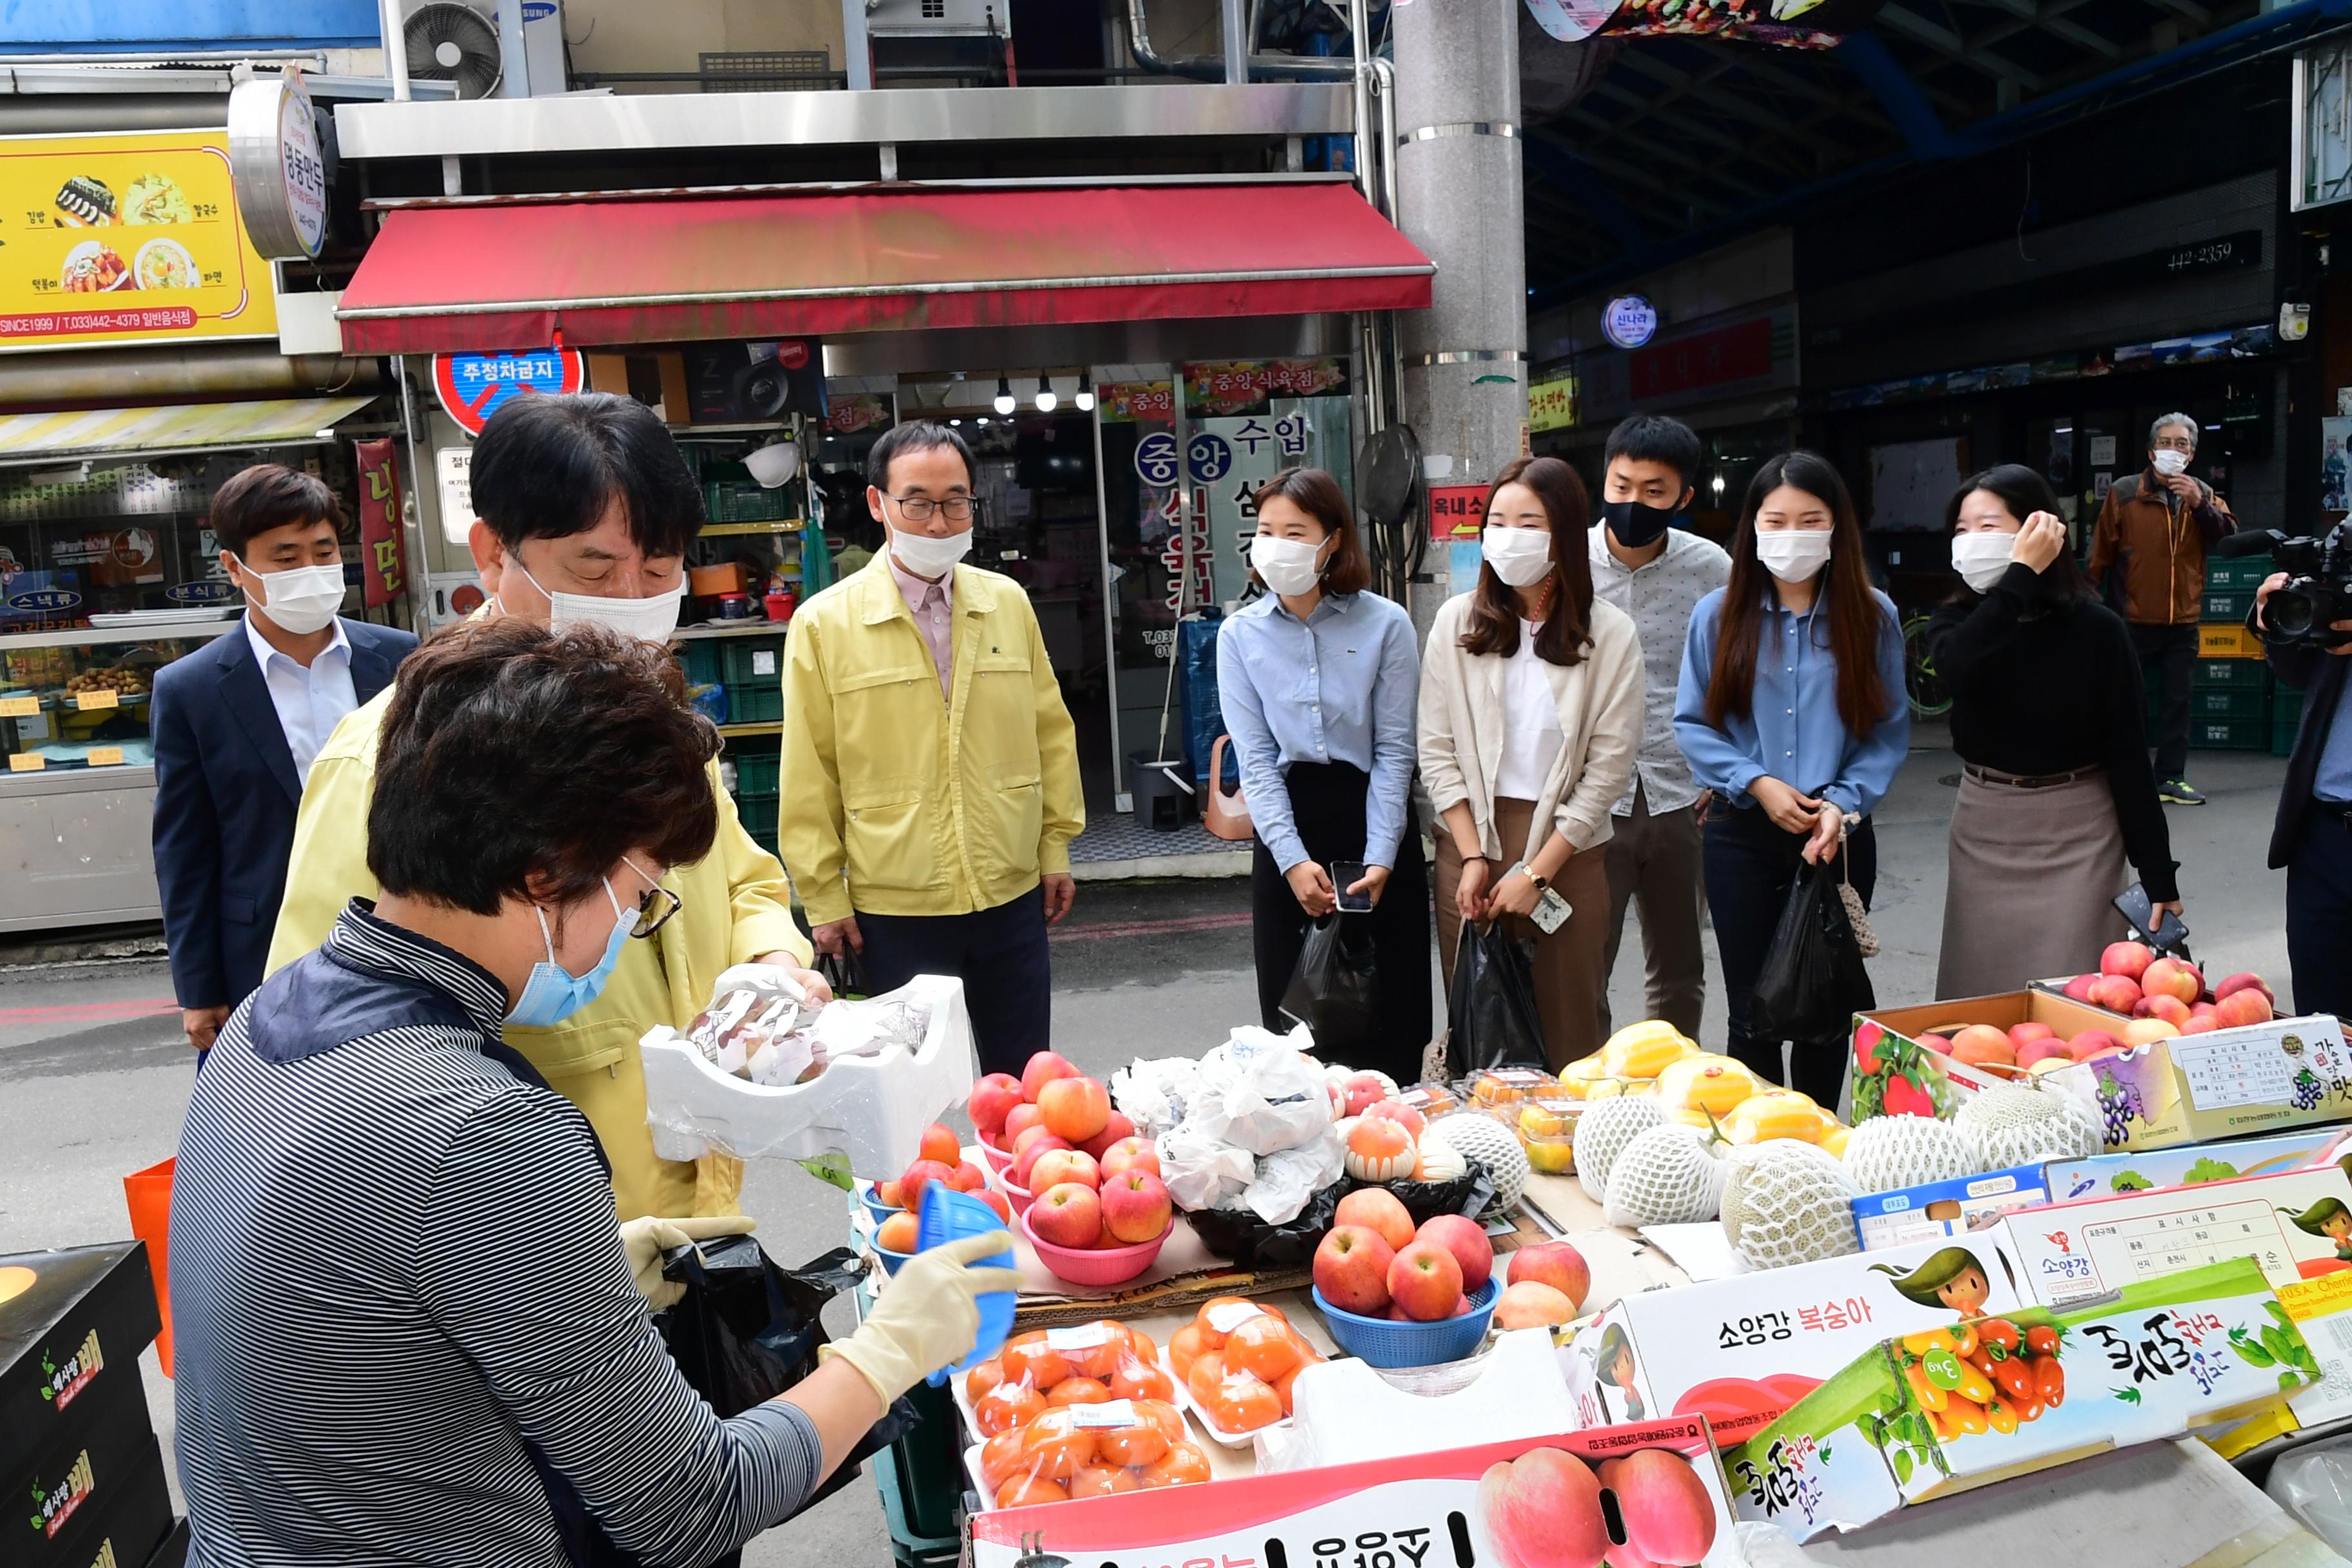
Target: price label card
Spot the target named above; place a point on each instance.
(28, 763)
(1083, 1337)
(19, 707)
(89, 699)
(106, 756)
(1108, 1413)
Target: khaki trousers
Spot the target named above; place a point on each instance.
(1659, 860)
(1570, 975)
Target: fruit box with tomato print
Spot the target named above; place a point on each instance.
(2293, 1225)
(1899, 1071)
(2193, 1088)
(1527, 1503)
(1742, 1350)
(1927, 1414)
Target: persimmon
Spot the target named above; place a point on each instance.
(1000, 1457)
(1264, 1347)
(1183, 1347)
(1006, 1406)
(982, 1378)
(1098, 1362)
(1056, 1445)
(1138, 1445)
(1137, 1381)
(1243, 1404)
(1208, 1371)
(1102, 1481)
(1023, 1491)
(1182, 1465)
(1076, 1390)
(1036, 1364)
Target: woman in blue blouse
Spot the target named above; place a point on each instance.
(1319, 682)
(1791, 710)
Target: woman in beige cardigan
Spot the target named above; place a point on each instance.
(1530, 713)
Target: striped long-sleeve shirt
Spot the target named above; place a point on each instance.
(396, 1278)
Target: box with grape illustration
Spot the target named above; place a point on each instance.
(1947, 1410)
(2227, 1083)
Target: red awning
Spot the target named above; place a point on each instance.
(678, 269)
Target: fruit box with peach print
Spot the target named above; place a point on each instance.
(1740, 1351)
(2194, 1089)
(1898, 1071)
(1947, 1410)
(1527, 1503)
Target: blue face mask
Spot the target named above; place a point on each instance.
(553, 992)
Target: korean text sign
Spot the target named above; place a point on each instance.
(383, 566)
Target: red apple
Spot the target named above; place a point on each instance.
(2200, 1009)
(1056, 1166)
(941, 1144)
(1554, 1263)
(2084, 1045)
(997, 1201)
(967, 1178)
(1135, 1207)
(1032, 1137)
(1397, 1111)
(992, 1099)
(918, 1175)
(1018, 1120)
(1067, 1216)
(2079, 988)
(2128, 959)
(1472, 1251)
(1424, 1280)
(1378, 1210)
(1027, 1159)
(2115, 993)
(2042, 1050)
(1116, 1128)
(1937, 1043)
(2241, 981)
(1129, 1154)
(1075, 1108)
(886, 1195)
(2246, 1005)
(2172, 978)
(1542, 1509)
(1351, 1268)
(900, 1233)
(1525, 1304)
(1042, 1069)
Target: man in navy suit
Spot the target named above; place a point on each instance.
(2313, 837)
(237, 725)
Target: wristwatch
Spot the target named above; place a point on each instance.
(1540, 884)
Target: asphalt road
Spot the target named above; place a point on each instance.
(94, 1075)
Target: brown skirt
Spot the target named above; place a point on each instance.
(2033, 874)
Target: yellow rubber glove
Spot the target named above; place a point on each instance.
(647, 1238)
(928, 1316)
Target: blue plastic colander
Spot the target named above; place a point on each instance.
(947, 1216)
(1382, 1342)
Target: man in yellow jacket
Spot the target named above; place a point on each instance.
(930, 772)
(585, 509)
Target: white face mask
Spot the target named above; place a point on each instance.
(1982, 558)
(652, 619)
(301, 599)
(1288, 566)
(928, 557)
(1520, 556)
(2168, 462)
(1793, 554)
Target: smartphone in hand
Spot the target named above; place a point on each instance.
(2163, 931)
(1345, 874)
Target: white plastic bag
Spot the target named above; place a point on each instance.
(1203, 1172)
(1262, 1094)
(1288, 1178)
(1157, 1095)
(2315, 1484)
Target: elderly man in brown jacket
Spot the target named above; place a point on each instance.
(2153, 533)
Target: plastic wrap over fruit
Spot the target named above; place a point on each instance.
(1889, 1152)
(1665, 1175)
(2018, 1125)
(1602, 1133)
(1091, 1449)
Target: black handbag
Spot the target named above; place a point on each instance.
(1335, 991)
(1813, 980)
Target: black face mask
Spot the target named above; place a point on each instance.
(1635, 523)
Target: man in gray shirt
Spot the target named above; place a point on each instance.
(1656, 574)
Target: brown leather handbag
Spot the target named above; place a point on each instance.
(1225, 812)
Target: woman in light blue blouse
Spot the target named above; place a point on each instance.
(1319, 682)
(1791, 710)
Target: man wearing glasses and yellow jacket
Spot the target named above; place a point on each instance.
(930, 772)
(586, 510)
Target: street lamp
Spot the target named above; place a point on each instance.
(1003, 396)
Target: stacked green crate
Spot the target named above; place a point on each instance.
(2286, 717)
(753, 670)
(757, 777)
(2230, 699)
(705, 677)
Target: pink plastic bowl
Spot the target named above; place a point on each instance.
(1020, 1197)
(998, 1160)
(1089, 1264)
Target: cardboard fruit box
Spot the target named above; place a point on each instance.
(1894, 1075)
(2103, 1175)
(1741, 1351)
(1919, 1417)
(72, 1323)
(2195, 1089)
(1903, 1216)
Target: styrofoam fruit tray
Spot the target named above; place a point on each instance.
(971, 1418)
(1219, 1434)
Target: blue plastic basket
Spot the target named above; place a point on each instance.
(949, 1215)
(891, 1261)
(1383, 1342)
(875, 1206)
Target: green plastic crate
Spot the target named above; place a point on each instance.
(756, 773)
(2238, 572)
(2286, 702)
(2227, 606)
(742, 500)
(699, 658)
(2229, 734)
(747, 659)
(755, 703)
(2236, 672)
(923, 1481)
(759, 815)
(2228, 702)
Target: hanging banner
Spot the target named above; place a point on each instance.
(384, 562)
(1228, 388)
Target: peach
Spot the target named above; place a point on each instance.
(2240, 982)
(1351, 1268)
(2200, 1009)
(1067, 1215)
(2246, 1005)
(896, 1234)
(1135, 1207)
(2171, 1008)
(992, 1099)
(2204, 1025)
(1528, 1305)
(2079, 988)
(1363, 1090)
(1025, 1162)
(1017, 1121)
(1397, 1111)
(1380, 1211)
(941, 1144)
(2023, 1035)
(2115, 993)
(2144, 1031)
(1425, 1281)
(886, 1195)
(1668, 1516)
(1472, 1251)
(1055, 1166)
(967, 1178)
(1115, 1129)
(1981, 1044)
(1554, 1263)
(2089, 1042)
(918, 1175)
(2128, 959)
(2172, 978)
(1042, 1069)
(1937, 1043)
(1541, 1509)
(1075, 1108)
(2046, 1049)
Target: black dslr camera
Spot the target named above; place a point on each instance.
(2317, 591)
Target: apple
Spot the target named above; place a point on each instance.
(918, 1175)
(2115, 993)
(2247, 1004)
(1351, 1268)
(2043, 1050)
(1036, 1137)
(1462, 1236)
(896, 1234)
(2167, 1006)
(1130, 1154)
(1979, 1045)
(1056, 1166)
(1042, 1069)
(1027, 1159)
(1554, 1263)
(2201, 1025)
(2144, 1031)
(997, 1201)
(1075, 1107)
(1397, 1111)
(1937, 1043)
(1118, 1129)
(2128, 959)
(941, 1144)
(1067, 1215)
(2172, 978)
(2079, 988)
(2023, 1035)
(992, 1099)
(2243, 982)
(2200, 1009)
(1527, 1305)
(1363, 1090)
(1379, 1210)
(2090, 1041)
(967, 1178)
(1425, 1281)
(1542, 1509)
(1668, 1516)
(1018, 1120)
(1135, 1207)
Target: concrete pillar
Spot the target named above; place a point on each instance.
(1458, 198)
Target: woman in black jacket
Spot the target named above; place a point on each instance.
(2049, 718)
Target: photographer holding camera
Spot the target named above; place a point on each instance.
(2306, 639)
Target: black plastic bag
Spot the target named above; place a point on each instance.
(1335, 991)
(1252, 1243)
(846, 972)
(1813, 980)
(1425, 1201)
(1490, 1018)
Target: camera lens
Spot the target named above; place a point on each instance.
(2290, 613)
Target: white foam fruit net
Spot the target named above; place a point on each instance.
(1489, 1145)
(1602, 1133)
(2011, 1124)
(1664, 1176)
(1889, 1152)
(1789, 1204)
